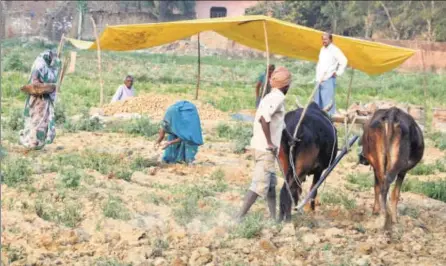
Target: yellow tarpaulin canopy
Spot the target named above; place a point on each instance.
(284, 38)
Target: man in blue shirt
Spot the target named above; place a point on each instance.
(260, 84)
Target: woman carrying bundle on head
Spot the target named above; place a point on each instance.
(182, 124)
(39, 128)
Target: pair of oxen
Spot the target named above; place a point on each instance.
(392, 144)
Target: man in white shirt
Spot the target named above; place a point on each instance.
(124, 91)
(332, 63)
(267, 134)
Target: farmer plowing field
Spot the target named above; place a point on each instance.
(267, 129)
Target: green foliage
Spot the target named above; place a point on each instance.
(152, 198)
(124, 174)
(439, 140)
(114, 208)
(219, 177)
(140, 163)
(14, 62)
(250, 227)
(162, 10)
(16, 171)
(84, 123)
(429, 169)
(187, 210)
(394, 19)
(334, 198)
(364, 181)
(60, 113)
(240, 134)
(423, 169)
(70, 178)
(68, 214)
(433, 189)
(142, 127)
(104, 163)
(16, 120)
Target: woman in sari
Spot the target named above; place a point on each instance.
(182, 124)
(39, 128)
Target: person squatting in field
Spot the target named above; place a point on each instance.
(124, 91)
(182, 124)
(267, 133)
(39, 127)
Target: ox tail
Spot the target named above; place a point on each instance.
(390, 126)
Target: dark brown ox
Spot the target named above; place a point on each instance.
(392, 144)
(315, 149)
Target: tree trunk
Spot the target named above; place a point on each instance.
(430, 27)
(79, 26)
(2, 20)
(368, 22)
(395, 31)
(163, 5)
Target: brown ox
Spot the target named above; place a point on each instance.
(392, 144)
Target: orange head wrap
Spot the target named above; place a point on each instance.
(280, 78)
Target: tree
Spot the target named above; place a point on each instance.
(81, 9)
(165, 10)
(391, 19)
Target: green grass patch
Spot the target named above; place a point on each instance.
(70, 178)
(187, 210)
(429, 169)
(114, 208)
(220, 184)
(432, 189)
(410, 211)
(250, 227)
(138, 127)
(439, 140)
(239, 134)
(423, 169)
(104, 163)
(337, 198)
(190, 196)
(364, 181)
(16, 171)
(140, 163)
(152, 199)
(67, 214)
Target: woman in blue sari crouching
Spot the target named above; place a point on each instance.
(183, 126)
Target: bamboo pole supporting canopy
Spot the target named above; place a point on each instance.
(99, 63)
(199, 69)
(350, 88)
(265, 83)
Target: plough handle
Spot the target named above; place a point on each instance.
(328, 171)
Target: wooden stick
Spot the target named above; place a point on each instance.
(199, 69)
(350, 89)
(62, 74)
(61, 44)
(265, 34)
(424, 87)
(358, 120)
(99, 63)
